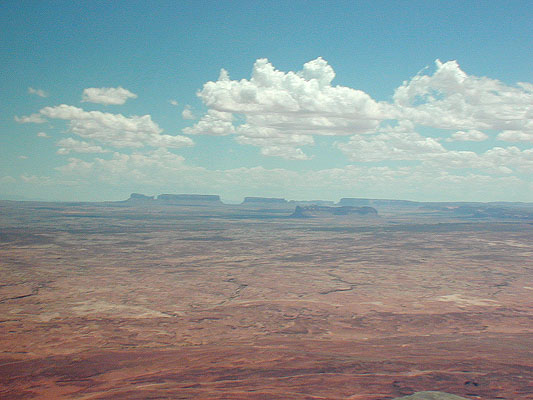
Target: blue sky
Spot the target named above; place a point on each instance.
(319, 100)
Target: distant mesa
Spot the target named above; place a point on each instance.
(359, 202)
(314, 211)
(189, 199)
(264, 200)
(431, 396)
(347, 210)
(512, 211)
(140, 197)
(312, 202)
(356, 202)
(486, 211)
(299, 213)
(348, 206)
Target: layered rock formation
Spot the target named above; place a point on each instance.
(140, 197)
(264, 200)
(487, 211)
(312, 202)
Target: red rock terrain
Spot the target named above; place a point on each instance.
(174, 303)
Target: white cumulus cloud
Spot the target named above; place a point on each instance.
(276, 145)
(31, 119)
(452, 99)
(286, 103)
(390, 146)
(274, 104)
(516, 136)
(115, 129)
(402, 143)
(286, 152)
(393, 143)
(37, 92)
(217, 123)
(107, 96)
(498, 160)
(71, 145)
(471, 135)
(187, 113)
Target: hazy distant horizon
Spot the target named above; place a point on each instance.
(236, 201)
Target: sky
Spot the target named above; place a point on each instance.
(418, 100)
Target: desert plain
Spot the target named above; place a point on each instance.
(140, 301)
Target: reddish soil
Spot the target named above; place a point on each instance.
(100, 303)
